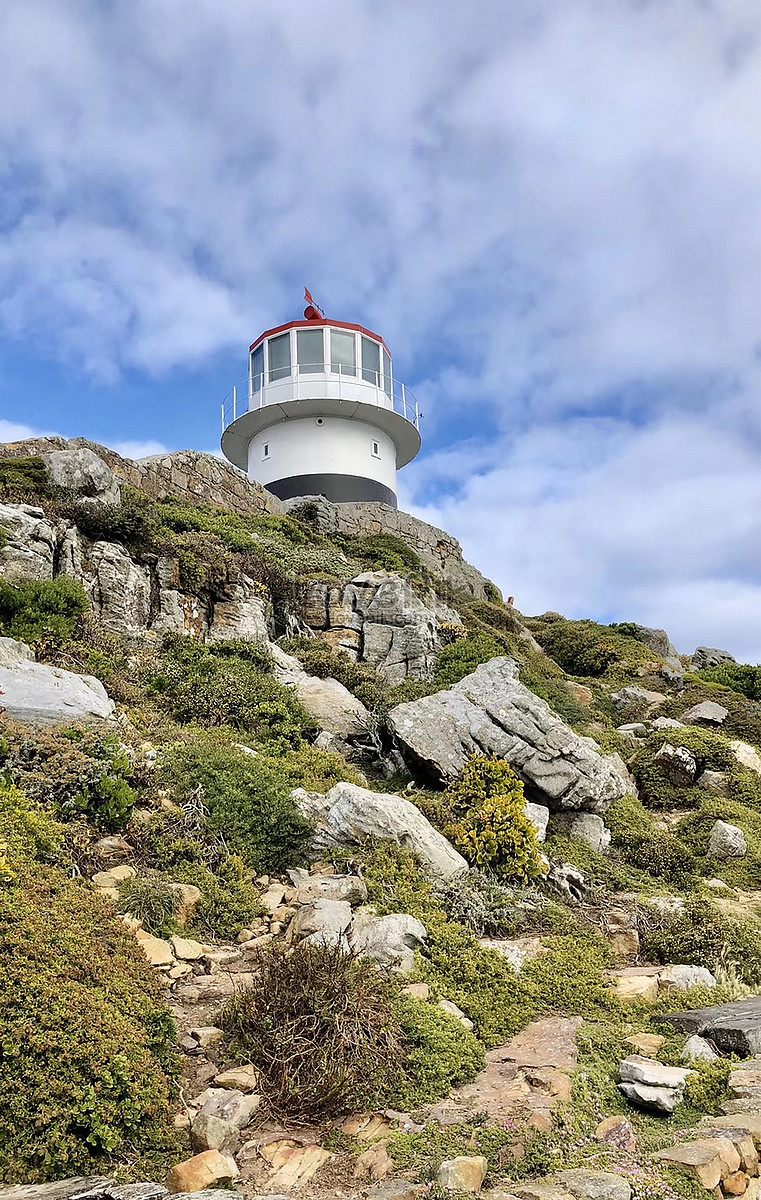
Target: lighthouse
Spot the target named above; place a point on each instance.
(321, 413)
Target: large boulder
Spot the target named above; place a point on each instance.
(30, 544)
(727, 841)
(349, 814)
(42, 695)
(660, 643)
(733, 1028)
(327, 701)
(491, 712)
(390, 941)
(81, 471)
(707, 656)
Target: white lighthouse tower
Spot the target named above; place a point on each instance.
(321, 413)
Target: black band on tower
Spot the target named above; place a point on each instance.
(340, 489)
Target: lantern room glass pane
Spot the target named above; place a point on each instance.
(342, 353)
(387, 374)
(279, 352)
(257, 368)
(370, 361)
(309, 351)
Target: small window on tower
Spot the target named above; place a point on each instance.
(266, 450)
(375, 450)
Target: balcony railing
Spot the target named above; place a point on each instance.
(311, 381)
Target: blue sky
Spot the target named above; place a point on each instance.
(549, 208)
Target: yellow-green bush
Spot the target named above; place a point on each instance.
(439, 1054)
(488, 820)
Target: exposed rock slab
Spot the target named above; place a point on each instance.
(327, 701)
(29, 551)
(733, 1028)
(491, 712)
(349, 814)
(43, 695)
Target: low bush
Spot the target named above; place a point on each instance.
(24, 479)
(77, 770)
(739, 677)
(87, 1047)
(489, 908)
(700, 934)
(229, 901)
(214, 685)
(488, 820)
(321, 1027)
(42, 611)
(460, 658)
(695, 830)
(320, 659)
(743, 718)
(132, 522)
(643, 845)
(710, 751)
(153, 901)
(586, 648)
(316, 770)
(382, 552)
(439, 1054)
(248, 801)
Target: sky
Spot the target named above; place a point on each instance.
(548, 208)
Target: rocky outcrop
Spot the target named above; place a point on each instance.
(42, 695)
(30, 545)
(378, 619)
(707, 656)
(733, 1028)
(349, 814)
(332, 706)
(78, 469)
(491, 712)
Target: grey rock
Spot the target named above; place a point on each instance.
(635, 728)
(491, 712)
(677, 764)
(706, 713)
(332, 705)
(666, 723)
(217, 1194)
(682, 977)
(240, 611)
(587, 828)
(638, 1069)
(714, 781)
(587, 1184)
(229, 1105)
(697, 1049)
(539, 817)
(30, 549)
(655, 1099)
(331, 887)
(350, 814)
(79, 1187)
(323, 921)
(672, 676)
(43, 695)
(636, 697)
(81, 471)
(727, 841)
(568, 881)
(706, 656)
(733, 1028)
(208, 1132)
(391, 942)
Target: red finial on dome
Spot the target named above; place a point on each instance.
(312, 312)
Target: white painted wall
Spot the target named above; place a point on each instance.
(328, 445)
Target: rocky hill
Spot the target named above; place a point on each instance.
(325, 872)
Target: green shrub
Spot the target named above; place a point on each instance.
(710, 751)
(41, 611)
(87, 1039)
(382, 552)
(439, 1054)
(586, 648)
(489, 908)
(78, 770)
(739, 677)
(695, 830)
(320, 659)
(461, 658)
(744, 715)
(316, 770)
(216, 687)
(153, 901)
(229, 901)
(700, 934)
(642, 844)
(248, 802)
(132, 522)
(488, 820)
(320, 1026)
(24, 478)
(706, 1087)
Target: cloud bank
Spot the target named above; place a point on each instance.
(550, 210)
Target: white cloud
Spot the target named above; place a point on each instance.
(137, 450)
(12, 431)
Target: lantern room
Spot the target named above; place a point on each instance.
(321, 413)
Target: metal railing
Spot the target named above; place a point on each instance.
(310, 381)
